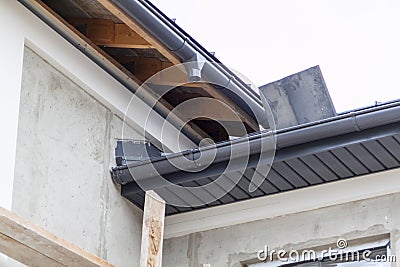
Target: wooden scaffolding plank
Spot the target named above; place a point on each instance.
(152, 231)
(34, 246)
(24, 254)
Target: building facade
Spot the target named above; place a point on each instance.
(65, 108)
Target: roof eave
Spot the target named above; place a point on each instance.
(347, 129)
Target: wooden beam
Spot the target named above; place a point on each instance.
(104, 32)
(174, 59)
(34, 246)
(241, 113)
(152, 230)
(131, 23)
(145, 67)
(24, 254)
(209, 109)
(125, 37)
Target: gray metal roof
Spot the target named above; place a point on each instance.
(349, 145)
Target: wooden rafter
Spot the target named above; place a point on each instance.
(212, 91)
(139, 30)
(34, 246)
(145, 67)
(241, 113)
(104, 32)
(207, 108)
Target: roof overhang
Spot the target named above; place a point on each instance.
(349, 145)
(156, 32)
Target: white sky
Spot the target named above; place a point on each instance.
(355, 42)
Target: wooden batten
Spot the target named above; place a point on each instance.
(104, 32)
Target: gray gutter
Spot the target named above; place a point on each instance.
(179, 43)
(345, 123)
(325, 134)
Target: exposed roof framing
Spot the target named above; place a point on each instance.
(104, 60)
(105, 26)
(212, 91)
(81, 9)
(117, 12)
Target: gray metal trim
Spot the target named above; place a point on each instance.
(312, 138)
(323, 161)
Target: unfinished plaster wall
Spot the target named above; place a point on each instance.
(235, 245)
(65, 147)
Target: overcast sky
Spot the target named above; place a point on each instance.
(355, 42)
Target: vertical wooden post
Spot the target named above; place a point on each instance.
(152, 230)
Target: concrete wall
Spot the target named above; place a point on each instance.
(65, 147)
(236, 245)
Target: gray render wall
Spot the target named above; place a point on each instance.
(236, 245)
(65, 147)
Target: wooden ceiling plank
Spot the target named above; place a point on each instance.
(105, 32)
(139, 30)
(125, 35)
